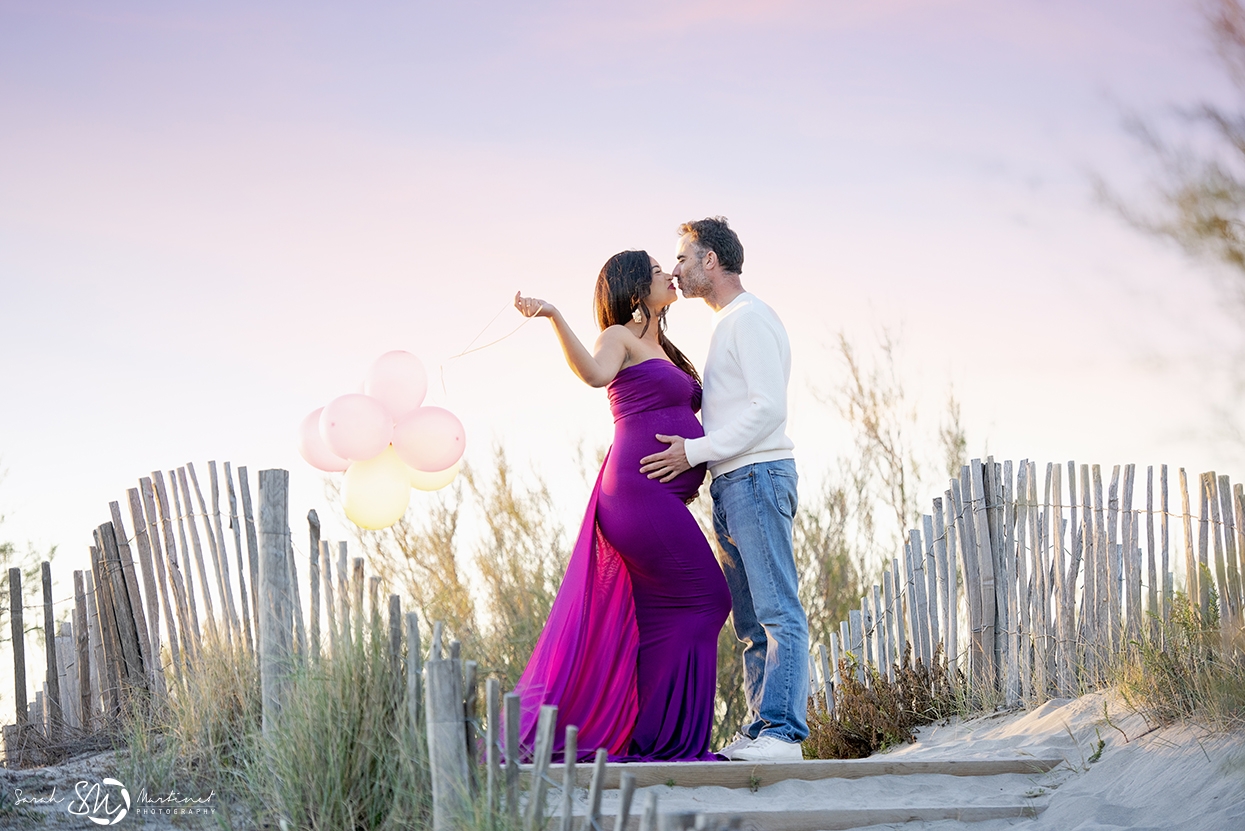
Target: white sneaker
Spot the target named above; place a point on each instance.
(738, 743)
(769, 749)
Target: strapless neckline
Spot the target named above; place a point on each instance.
(647, 361)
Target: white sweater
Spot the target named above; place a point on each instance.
(744, 409)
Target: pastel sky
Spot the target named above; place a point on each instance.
(213, 216)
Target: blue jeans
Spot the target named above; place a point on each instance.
(753, 511)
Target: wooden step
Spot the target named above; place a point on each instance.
(847, 818)
(759, 774)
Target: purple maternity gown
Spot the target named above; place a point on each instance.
(629, 653)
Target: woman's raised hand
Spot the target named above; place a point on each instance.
(532, 307)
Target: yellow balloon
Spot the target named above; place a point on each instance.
(375, 492)
(424, 481)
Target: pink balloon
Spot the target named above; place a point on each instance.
(397, 380)
(356, 427)
(429, 439)
(312, 448)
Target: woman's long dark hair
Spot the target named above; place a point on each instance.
(625, 280)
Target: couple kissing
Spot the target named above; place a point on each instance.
(629, 652)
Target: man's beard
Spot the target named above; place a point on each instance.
(694, 286)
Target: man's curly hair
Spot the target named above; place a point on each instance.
(713, 233)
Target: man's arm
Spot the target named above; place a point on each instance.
(759, 353)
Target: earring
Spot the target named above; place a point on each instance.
(636, 315)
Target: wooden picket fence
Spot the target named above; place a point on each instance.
(113, 655)
(1023, 597)
(1029, 586)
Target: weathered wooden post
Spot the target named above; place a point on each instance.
(127, 596)
(274, 634)
(181, 484)
(985, 565)
(918, 609)
(1205, 578)
(168, 603)
(856, 633)
(343, 596)
(966, 527)
(893, 654)
(67, 678)
(228, 621)
(252, 544)
(492, 695)
(933, 600)
(356, 599)
(1165, 547)
(220, 553)
(55, 715)
(836, 675)
(299, 632)
(373, 599)
(108, 655)
(12, 745)
(150, 614)
(626, 793)
(1151, 560)
(187, 619)
(395, 645)
(546, 723)
(99, 672)
(569, 752)
(512, 703)
(447, 748)
(827, 677)
(19, 645)
(900, 637)
(471, 696)
(953, 589)
(648, 819)
(414, 672)
(593, 820)
(82, 647)
(313, 580)
(326, 570)
(1025, 544)
(237, 547)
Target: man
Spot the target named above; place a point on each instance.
(754, 487)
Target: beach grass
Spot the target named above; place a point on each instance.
(1193, 669)
(339, 756)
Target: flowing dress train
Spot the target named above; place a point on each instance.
(629, 653)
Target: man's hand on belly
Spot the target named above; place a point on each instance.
(667, 464)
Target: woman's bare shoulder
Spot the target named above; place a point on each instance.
(617, 334)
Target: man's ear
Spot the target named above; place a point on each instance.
(711, 259)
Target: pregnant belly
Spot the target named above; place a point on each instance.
(635, 437)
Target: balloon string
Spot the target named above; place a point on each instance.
(468, 349)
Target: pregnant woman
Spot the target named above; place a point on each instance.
(629, 653)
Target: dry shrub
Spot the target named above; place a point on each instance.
(873, 716)
(520, 560)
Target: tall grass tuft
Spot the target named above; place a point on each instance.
(340, 756)
(202, 738)
(1193, 670)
